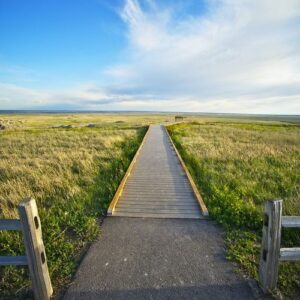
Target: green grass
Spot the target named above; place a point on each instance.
(237, 166)
(73, 174)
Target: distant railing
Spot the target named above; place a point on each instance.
(271, 253)
(35, 257)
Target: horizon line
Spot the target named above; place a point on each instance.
(136, 111)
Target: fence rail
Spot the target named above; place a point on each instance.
(271, 253)
(291, 222)
(35, 258)
(10, 224)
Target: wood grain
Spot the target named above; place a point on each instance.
(270, 249)
(35, 250)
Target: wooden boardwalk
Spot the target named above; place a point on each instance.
(168, 254)
(158, 186)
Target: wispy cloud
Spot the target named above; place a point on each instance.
(238, 56)
(247, 50)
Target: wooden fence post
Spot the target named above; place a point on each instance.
(35, 250)
(270, 249)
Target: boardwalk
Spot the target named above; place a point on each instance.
(158, 186)
(159, 246)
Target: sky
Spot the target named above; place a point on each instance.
(222, 56)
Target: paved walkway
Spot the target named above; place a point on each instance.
(161, 257)
(147, 258)
(158, 186)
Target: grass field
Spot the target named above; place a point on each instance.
(78, 120)
(72, 173)
(237, 166)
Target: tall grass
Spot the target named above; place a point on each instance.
(237, 166)
(73, 174)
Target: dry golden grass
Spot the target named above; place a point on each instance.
(30, 121)
(42, 162)
(72, 173)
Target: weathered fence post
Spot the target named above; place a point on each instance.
(270, 249)
(35, 250)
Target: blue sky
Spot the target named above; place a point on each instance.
(186, 55)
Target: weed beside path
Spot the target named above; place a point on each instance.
(73, 174)
(237, 166)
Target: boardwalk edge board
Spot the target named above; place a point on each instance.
(119, 191)
(202, 205)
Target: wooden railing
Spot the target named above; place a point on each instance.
(35, 257)
(271, 253)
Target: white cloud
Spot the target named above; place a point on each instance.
(239, 49)
(16, 97)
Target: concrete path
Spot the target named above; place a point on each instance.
(145, 258)
(158, 186)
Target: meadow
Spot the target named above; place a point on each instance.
(72, 173)
(72, 164)
(237, 165)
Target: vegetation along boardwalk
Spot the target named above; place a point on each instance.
(160, 246)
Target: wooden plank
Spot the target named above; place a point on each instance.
(35, 250)
(160, 186)
(157, 209)
(193, 185)
(182, 198)
(163, 182)
(290, 254)
(166, 189)
(10, 224)
(270, 248)
(159, 196)
(119, 191)
(159, 216)
(160, 209)
(158, 199)
(157, 204)
(154, 202)
(182, 179)
(154, 186)
(13, 261)
(291, 222)
(166, 179)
